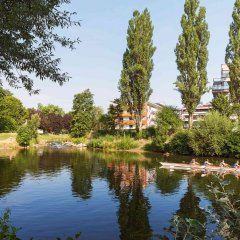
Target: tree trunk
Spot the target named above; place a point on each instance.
(190, 121)
(138, 120)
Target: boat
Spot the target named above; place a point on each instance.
(190, 167)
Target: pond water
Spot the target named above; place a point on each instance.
(54, 192)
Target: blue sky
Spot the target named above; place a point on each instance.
(97, 61)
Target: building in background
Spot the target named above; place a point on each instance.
(221, 85)
(126, 120)
(200, 112)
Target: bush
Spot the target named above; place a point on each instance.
(112, 142)
(233, 144)
(28, 132)
(210, 135)
(181, 143)
(24, 136)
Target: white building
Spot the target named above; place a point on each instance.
(200, 112)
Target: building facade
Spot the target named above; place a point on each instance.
(221, 85)
(200, 112)
(126, 119)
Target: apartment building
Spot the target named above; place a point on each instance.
(126, 119)
(200, 112)
(220, 85)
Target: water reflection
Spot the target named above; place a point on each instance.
(123, 179)
(128, 181)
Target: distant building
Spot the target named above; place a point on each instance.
(126, 120)
(221, 85)
(200, 112)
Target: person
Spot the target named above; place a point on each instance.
(236, 165)
(207, 163)
(223, 164)
(193, 162)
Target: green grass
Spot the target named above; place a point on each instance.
(60, 138)
(109, 142)
(6, 136)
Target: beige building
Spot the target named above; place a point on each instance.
(126, 119)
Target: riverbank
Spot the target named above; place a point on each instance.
(107, 143)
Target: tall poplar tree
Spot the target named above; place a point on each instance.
(192, 56)
(134, 84)
(233, 58)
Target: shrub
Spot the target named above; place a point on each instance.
(233, 144)
(28, 132)
(126, 143)
(181, 143)
(24, 136)
(210, 135)
(112, 142)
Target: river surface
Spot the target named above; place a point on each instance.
(102, 195)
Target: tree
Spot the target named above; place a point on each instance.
(192, 56)
(221, 104)
(4, 92)
(12, 114)
(50, 109)
(210, 135)
(232, 57)
(134, 84)
(83, 114)
(28, 40)
(168, 122)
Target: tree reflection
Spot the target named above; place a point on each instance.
(128, 181)
(168, 182)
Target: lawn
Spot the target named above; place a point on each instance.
(6, 136)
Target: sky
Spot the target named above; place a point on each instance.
(97, 61)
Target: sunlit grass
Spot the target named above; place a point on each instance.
(6, 136)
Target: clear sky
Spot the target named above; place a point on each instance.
(97, 61)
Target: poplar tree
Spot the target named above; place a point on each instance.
(192, 56)
(134, 84)
(232, 58)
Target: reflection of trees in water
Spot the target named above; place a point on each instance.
(189, 208)
(168, 182)
(128, 180)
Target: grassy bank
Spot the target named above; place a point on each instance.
(110, 142)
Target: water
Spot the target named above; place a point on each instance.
(54, 192)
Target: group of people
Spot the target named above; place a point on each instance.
(222, 164)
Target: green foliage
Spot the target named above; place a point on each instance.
(192, 56)
(28, 132)
(110, 142)
(83, 114)
(50, 109)
(12, 114)
(28, 38)
(233, 144)
(210, 135)
(232, 57)
(168, 122)
(221, 104)
(4, 92)
(7, 231)
(181, 143)
(134, 84)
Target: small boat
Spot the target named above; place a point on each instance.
(189, 167)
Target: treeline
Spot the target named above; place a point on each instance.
(214, 135)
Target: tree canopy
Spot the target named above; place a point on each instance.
(134, 84)
(233, 57)
(192, 56)
(83, 114)
(27, 41)
(221, 104)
